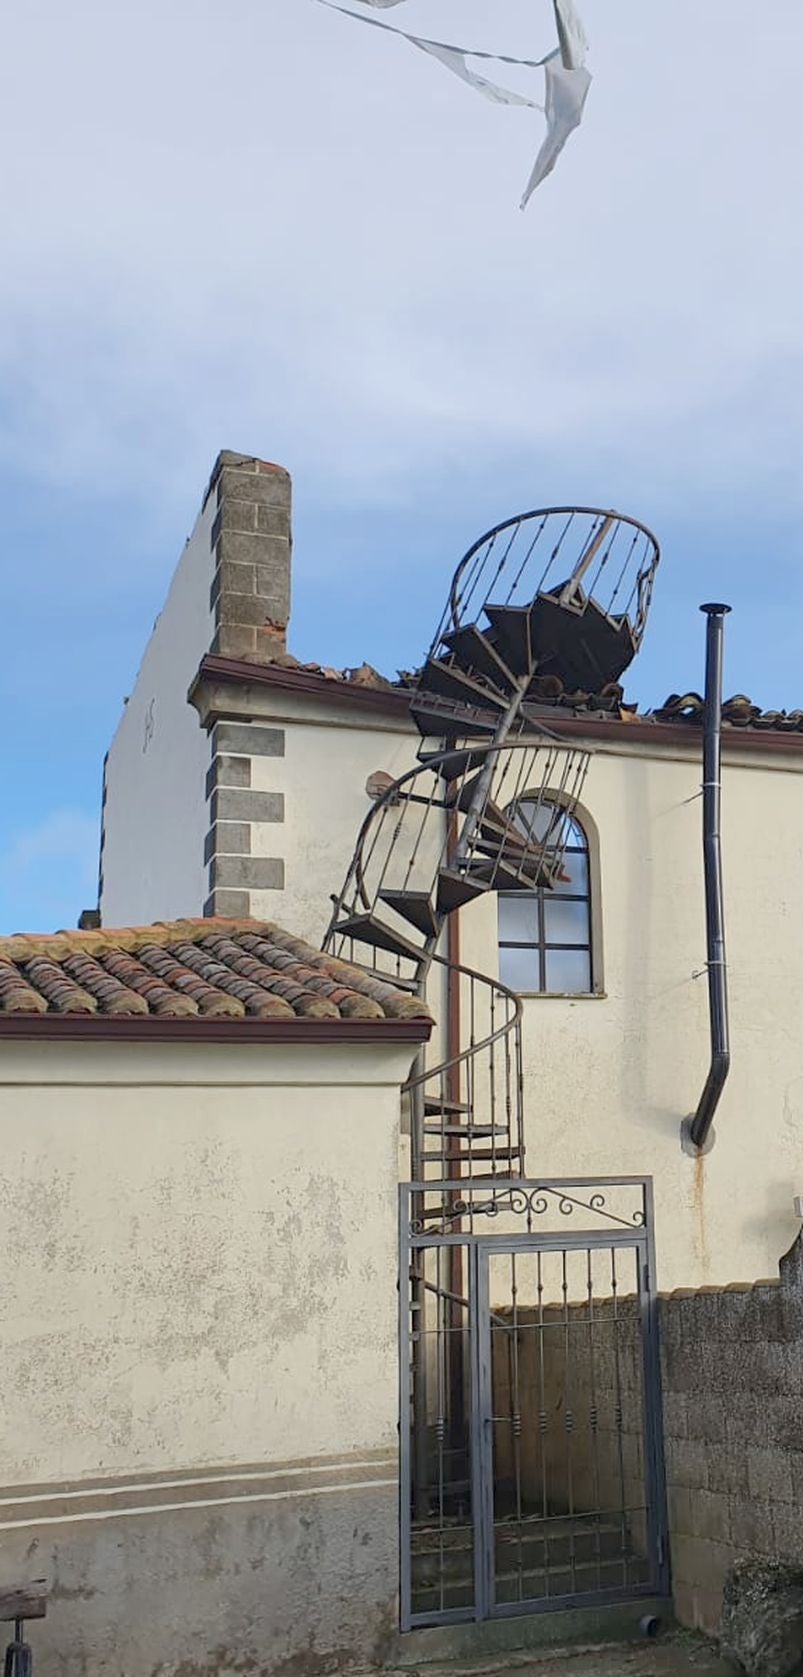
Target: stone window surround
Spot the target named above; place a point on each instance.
(234, 810)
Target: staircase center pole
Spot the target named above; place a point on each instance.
(486, 774)
(457, 1322)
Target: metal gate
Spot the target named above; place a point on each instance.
(532, 1470)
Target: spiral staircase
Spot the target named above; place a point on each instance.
(556, 598)
(561, 595)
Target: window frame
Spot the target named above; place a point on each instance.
(542, 946)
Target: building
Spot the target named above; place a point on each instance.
(247, 800)
(505, 858)
(199, 1454)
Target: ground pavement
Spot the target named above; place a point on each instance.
(680, 1656)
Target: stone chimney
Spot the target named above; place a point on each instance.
(251, 544)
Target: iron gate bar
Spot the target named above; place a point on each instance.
(533, 1199)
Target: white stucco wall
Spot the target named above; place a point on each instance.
(608, 1079)
(200, 1266)
(198, 1330)
(155, 813)
(329, 755)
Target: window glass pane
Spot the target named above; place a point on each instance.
(518, 968)
(518, 919)
(565, 922)
(547, 823)
(568, 971)
(540, 820)
(575, 864)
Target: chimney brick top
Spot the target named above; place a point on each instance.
(251, 544)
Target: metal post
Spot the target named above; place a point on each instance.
(696, 1129)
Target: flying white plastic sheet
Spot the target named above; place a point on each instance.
(455, 60)
(567, 79)
(566, 94)
(571, 34)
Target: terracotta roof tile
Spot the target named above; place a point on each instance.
(191, 969)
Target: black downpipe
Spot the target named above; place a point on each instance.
(696, 1129)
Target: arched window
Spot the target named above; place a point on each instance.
(545, 936)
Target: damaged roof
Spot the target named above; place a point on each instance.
(199, 972)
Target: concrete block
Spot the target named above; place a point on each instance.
(242, 515)
(684, 1603)
(247, 739)
(245, 873)
(685, 1366)
(234, 641)
(786, 1533)
(231, 804)
(233, 577)
(681, 1521)
(676, 1414)
(228, 771)
(797, 1475)
(271, 562)
(751, 1526)
(785, 1420)
(753, 1316)
(707, 1611)
(711, 1515)
(698, 1561)
(727, 1472)
(770, 1474)
(748, 1420)
(268, 488)
(236, 904)
(687, 1462)
(240, 547)
(707, 1418)
(228, 838)
(271, 520)
(243, 608)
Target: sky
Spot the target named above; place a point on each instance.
(274, 230)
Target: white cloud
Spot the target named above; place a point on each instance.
(279, 231)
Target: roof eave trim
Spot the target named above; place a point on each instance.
(593, 725)
(237, 672)
(74, 1027)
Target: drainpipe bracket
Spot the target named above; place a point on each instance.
(688, 1146)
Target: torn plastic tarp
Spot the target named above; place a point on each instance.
(566, 94)
(567, 79)
(455, 60)
(571, 34)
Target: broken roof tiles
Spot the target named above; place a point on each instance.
(191, 969)
(738, 712)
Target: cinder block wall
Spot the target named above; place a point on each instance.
(733, 1407)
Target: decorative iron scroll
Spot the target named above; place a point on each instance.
(461, 1202)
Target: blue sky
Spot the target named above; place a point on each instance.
(296, 237)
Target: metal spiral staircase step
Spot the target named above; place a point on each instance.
(435, 716)
(526, 864)
(493, 822)
(434, 1106)
(510, 636)
(415, 906)
(450, 681)
(367, 928)
(493, 875)
(578, 641)
(484, 1154)
(451, 764)
(474, 652)
(482, 1132)
(454, 889)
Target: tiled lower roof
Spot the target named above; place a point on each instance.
(212, 969)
